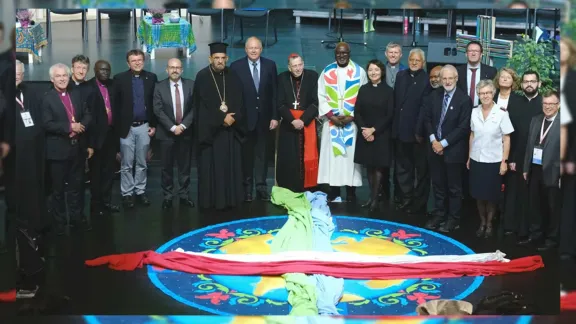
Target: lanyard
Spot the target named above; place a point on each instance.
(20, 101)
(542, 133)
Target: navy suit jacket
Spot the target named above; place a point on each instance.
(455, 126)
(261, 101)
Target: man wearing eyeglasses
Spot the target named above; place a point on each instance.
(474, 71)
(173, 108)
(521, 109)
(542, 173)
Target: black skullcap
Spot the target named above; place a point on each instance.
(217, 48)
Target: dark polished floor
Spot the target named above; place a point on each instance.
(104, 291)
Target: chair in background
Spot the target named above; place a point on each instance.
(211, 13)
(66, 12)
(253, 13)
(110, 12)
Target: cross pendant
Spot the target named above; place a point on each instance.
(295, 104)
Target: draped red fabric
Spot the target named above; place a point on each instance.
(8, 296)
(198, 264)
(568, 302)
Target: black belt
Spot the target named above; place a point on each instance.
(138, 123)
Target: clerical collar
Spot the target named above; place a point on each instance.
(61, 92)
(136, 74)
(551, 119)
(102, 84)
(392, 66)
(415, 73)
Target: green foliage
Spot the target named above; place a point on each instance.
(531, 55)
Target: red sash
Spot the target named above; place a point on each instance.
(310, 151)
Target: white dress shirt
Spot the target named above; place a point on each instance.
(487, 146)
(468, 77)
(173, 93)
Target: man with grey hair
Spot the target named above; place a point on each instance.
(447, 125)
(66, 120)
(411, 166)
(393, 66)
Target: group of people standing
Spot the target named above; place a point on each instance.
(454, 130)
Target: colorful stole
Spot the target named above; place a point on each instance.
(310, 151)
(342, 136)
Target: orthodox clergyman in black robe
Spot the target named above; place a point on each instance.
(220, 131)
(297, 155)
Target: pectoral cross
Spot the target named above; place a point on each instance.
(295, 104)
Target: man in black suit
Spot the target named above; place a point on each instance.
(474, 71)
(173, 108)
(135, 124)
(447, 123)
(66, 120)
(259, 79)
(102, 139)
(542, 172)
(411, 88)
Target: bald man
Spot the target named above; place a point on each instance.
(259, 92)
(173, 108)
(435, 77)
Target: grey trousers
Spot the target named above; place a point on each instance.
(134, 148)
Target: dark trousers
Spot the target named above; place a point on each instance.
(102, 168)
(568, 221)
(254, 157)
(412, 173)
(447, 186)
(545, 207)
(69, 171)
(177, 150)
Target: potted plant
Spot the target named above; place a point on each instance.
(157, 15)
(530, 55)
(24, 17)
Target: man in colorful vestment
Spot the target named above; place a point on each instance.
(338, 87)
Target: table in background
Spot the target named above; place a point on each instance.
(30, 40)
(166, 35)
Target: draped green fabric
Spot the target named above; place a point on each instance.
(296, 235)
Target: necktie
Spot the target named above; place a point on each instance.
(473, 86)
(256, 76)
(444, 110)
(178, 105)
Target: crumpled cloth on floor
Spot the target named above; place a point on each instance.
(444, 307)
(296, 234)
(329, 289)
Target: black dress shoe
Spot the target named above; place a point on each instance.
(434, 222)
(144, 199)
(128, 201)
(186, 202)
(403, 205)
(351, 198)
(416, 211)
(526, 241)
(112, 208)
(263, 195)
(548, 245)
(367, 204)
(449, 226)
(248, 197)
(167, 204)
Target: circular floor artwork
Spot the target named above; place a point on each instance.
(255, 295)
(115, 319)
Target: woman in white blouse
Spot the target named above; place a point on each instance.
(488, 159)
(506, 82)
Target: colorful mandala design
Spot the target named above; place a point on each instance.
(144, 319)
(255, 295)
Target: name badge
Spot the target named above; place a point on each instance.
(537, 156)
(27, 119)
